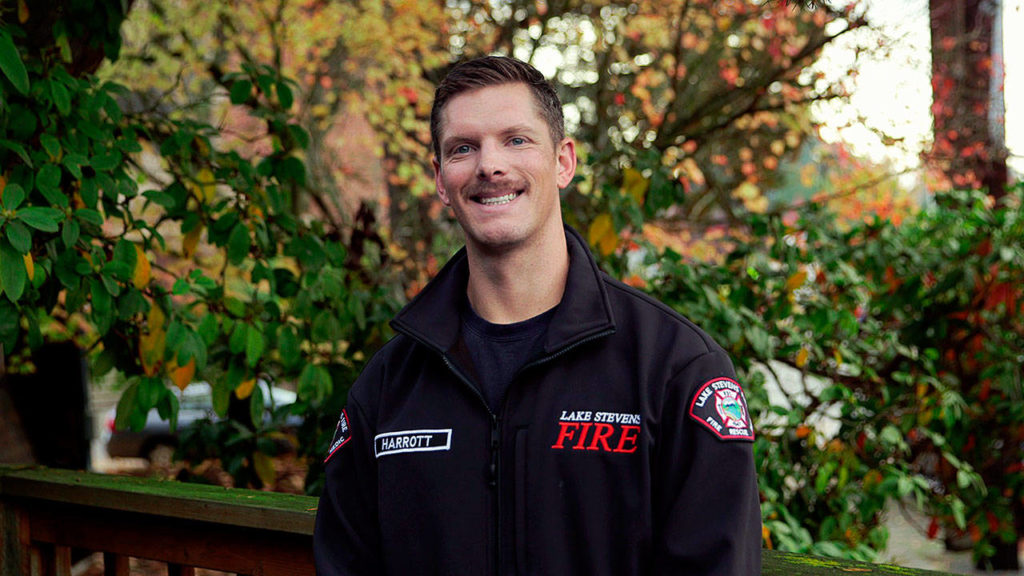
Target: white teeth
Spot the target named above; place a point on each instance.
(498, 199)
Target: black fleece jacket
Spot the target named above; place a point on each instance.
(623, 449)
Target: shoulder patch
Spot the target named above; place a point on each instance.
(342, 434)
(722, 408)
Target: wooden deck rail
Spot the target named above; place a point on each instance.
(45, 513)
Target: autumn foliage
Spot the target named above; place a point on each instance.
(243, 192)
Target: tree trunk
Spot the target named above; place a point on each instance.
(969, 150)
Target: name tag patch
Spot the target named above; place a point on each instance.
(412, 441)
(722, 408)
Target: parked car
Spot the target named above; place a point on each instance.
(156, 441)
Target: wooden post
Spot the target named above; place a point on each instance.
(14, 542)
(115, 564)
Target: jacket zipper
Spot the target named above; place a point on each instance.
(494, 467)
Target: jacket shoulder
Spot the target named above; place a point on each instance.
(637, 310)
(366, 389)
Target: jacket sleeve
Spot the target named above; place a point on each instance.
(707, 517)
(346, 539)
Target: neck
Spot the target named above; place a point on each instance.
(519, 284)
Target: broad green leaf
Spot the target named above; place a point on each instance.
(240, 92)
(55, 197)
(124, 252)
(222, 397)
(288, 346)
(70, 232)
(160, 198)
(74, 163)
(11, 64)
(126, 406)
(239, 338)
(256, 406)
(40, 218)
(51, 144)
(106, 162)
(264, 466)
(60, 97)
(235, 306)
(284, 95)
(208, 328)
(48, 177)
(20, 237)
(151, 388)
(17, 149)
(13, 196)
(89, 216)
(238, 244)
(12, 271)
(254, 344)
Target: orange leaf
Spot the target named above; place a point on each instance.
(801, 358)
(602, 234)
(181, 375)
(141, 274)
(30, 266)
(153, 340)
(803, 432)
(244, 389)
(796, 280)
(191, 241)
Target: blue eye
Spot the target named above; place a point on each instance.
(517, 141)
(463, 149)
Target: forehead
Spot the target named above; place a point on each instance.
(491, 107)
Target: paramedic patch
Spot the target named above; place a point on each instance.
(342, 434)
(412, 441)
(721, 407)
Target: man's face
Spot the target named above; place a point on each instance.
(499, 171)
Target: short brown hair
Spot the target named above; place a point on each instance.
(495, 71)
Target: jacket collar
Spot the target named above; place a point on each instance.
(432, 317)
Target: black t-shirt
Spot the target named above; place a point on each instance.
(499, 351)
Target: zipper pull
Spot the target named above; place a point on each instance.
(495, 453)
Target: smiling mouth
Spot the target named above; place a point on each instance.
(497, 200)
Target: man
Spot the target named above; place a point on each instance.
(534, 416)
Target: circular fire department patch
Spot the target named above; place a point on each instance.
(721, 407)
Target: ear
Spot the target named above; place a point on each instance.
(566, 162)
(442, 193)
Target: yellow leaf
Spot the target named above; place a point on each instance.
(140, 276)
(30, 266)
(634, 184)
(191, 241)
(153, 340)
(602, 234)
(747, 191)
(181, 375)
(757, 205)
(801, 358)
(807, 174)
(922, 389)
(264, 466)
(838, 356)
(245, 389)
(207, 185)
(22, 12)
(796, 280)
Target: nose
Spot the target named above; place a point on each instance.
(491, 162)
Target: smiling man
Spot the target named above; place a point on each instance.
(533, 415)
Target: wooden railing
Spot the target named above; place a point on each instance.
(45, 514)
